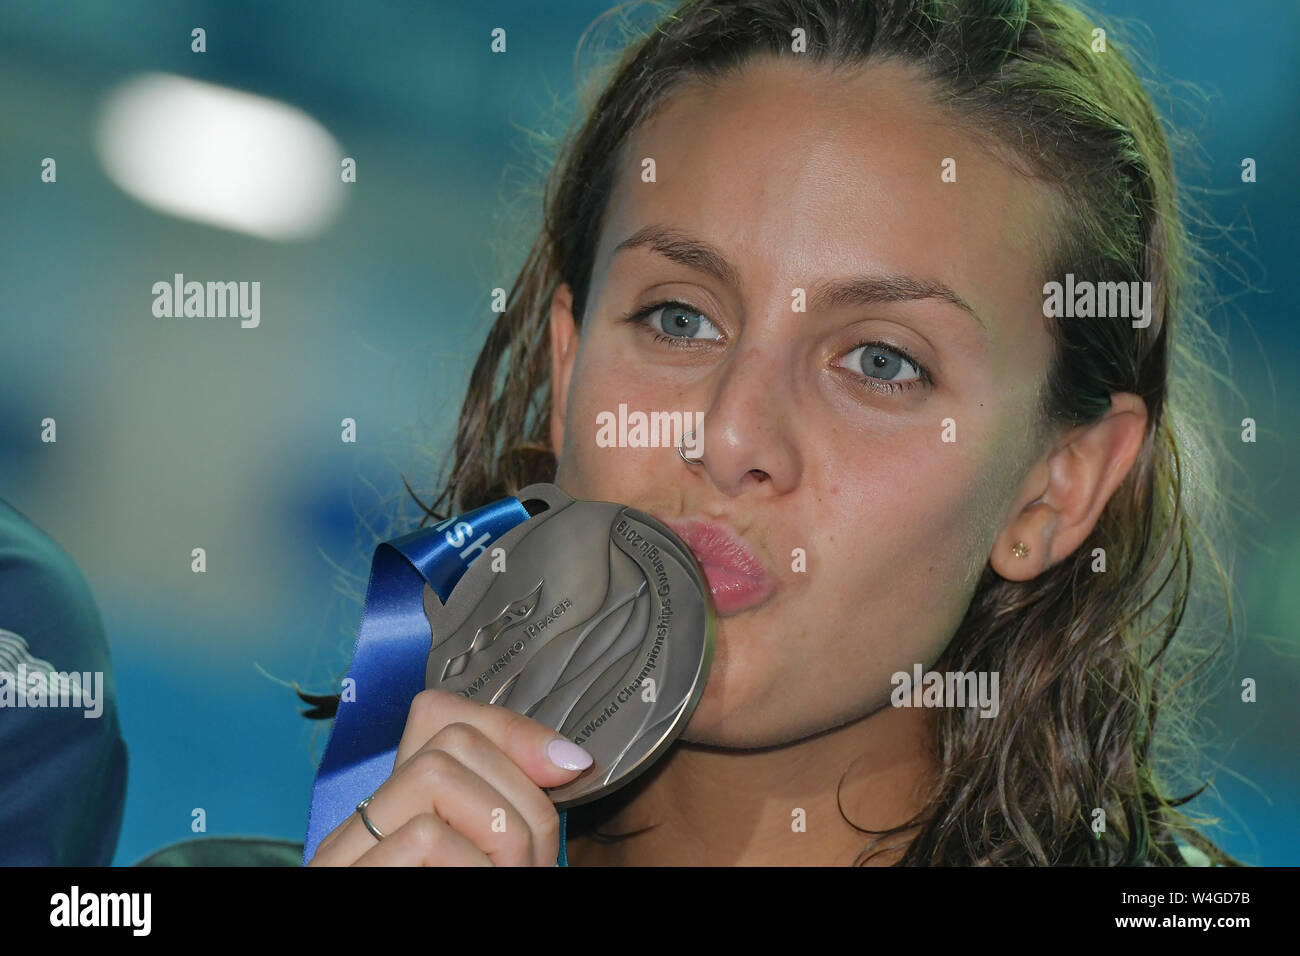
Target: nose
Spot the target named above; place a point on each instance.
(748, 437)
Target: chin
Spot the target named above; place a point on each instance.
(730, 735)
(747, 723)
(731, 712)
(710, 724)
(731, 724)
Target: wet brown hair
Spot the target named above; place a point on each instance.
(1087, 660)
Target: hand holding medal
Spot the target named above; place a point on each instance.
(588, 618)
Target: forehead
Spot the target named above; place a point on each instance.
(796, 172)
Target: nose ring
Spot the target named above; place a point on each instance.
(681, 450)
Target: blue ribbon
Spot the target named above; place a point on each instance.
(388, 663)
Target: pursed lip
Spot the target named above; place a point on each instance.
(737, 578)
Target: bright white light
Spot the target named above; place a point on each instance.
(220, 156)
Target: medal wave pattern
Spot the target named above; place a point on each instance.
(485, 636)
(568, 679)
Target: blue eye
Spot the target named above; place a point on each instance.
(883, 363)
(677, 320)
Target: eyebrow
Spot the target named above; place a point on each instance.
(860, 290)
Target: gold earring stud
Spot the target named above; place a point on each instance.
(1019, 549)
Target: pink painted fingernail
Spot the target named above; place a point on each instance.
(568, 755)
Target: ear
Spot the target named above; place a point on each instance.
(564, 349)
(1061, 500)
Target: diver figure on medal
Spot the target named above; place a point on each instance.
(601, 626)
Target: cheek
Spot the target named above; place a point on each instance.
(940, 509)
(603, 378)
(913, 505)
(899, 553)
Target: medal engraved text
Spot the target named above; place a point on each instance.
(531, 631)
(662, 587)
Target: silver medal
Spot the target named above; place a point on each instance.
(601, 626)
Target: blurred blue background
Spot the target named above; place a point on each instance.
(181, 434)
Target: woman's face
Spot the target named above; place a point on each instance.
(892, 468)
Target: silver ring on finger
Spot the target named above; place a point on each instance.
(361, 809)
